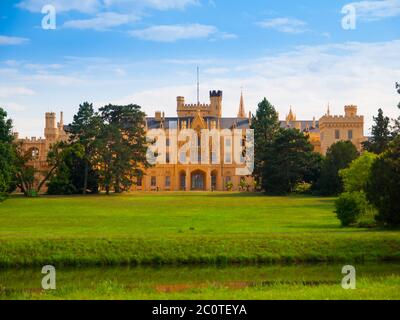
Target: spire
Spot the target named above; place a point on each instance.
(242, 113)
(198, 85)
(329, 110)
(291, 116)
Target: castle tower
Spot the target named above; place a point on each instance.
(180, 101)
(216, 103)
(241, 113)
(350, 111)
(349, 127)
(51, 130)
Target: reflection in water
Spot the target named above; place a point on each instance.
(175, 279)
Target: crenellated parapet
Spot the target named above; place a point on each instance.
(196, 106)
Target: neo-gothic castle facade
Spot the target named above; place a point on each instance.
(175, 176)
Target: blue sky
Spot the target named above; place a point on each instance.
(146, 51)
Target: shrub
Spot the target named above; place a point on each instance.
(229, 186)
(303, 188)
(350, 207)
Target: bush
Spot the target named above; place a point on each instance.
(303, 188)
(350, 207)
(229, 186)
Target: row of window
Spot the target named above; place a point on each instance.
(153, 181)
(349, 134)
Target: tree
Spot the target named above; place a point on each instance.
(381, 135)
(25, 173)
(396, 127)
(339, 156)
(85, 129)
(7, 154)
(383, 187)
(355, 177)
(290, 161)
(122, 146)
(265, 125)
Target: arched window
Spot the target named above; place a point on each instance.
(34, 153)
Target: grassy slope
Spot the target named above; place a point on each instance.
(182, 228)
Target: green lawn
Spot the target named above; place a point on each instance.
(90, 239)
(171, 228)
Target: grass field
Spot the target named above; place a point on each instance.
(183, 228)
(99, 235)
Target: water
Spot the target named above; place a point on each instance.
(169, 280)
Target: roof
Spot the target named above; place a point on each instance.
(304, 125)
(226, 123)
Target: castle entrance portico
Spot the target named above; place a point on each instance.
(198, 180)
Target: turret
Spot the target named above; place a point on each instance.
(350, 111)
(50, 130)
(180, 101)
(216, 103)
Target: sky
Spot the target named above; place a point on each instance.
(302, 53)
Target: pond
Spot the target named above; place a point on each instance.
(374, 281)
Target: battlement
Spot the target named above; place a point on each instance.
(329, 118)
(215, 93)
(32, 140)
(196, 106)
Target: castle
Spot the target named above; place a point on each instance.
(175, 176)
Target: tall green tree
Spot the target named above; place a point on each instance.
(25, 173)
(68, 176)
(266, 125)
(85, 129)
(396, 127)
(356, 176)
(7, 154)
(383, 187)
(123, 146)
(339, 156)
(290, 160)
(381, 135)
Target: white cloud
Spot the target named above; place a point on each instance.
(155, 4)
(216, 70)
(102, 21)
(173, 33)
(286, 25)
(307, 77)
(95, 6)
(6, 92)
(376, 10)
(85, 6)
(10, 41)
(12, 106)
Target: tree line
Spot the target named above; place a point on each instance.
(368, 183)
(106, 149)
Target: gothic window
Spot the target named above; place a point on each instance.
(337, 134)
(153, 182)
(350, 134)
(139, 181)
(167, 181)
(34, 153)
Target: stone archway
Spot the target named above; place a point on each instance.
(214, 180)
(198, 180)
(182, 181)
